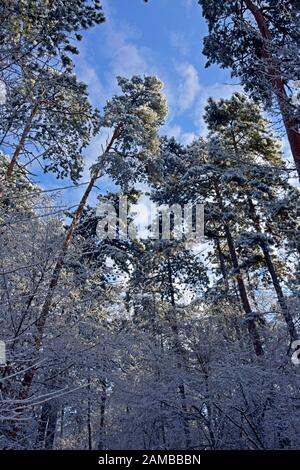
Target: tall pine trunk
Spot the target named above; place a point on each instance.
(51, 429)
(180, 354)
(40, 324)
(101, 443)
(21, 143)
(251, 325)
(47, 425)
(89, 413)
(275, 280)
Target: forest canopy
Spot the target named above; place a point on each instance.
(163, 342)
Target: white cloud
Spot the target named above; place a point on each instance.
(172, 131)
(194, 94)
(126, 58)
(179, 42)
(179, 134)
(89, 76)
(188, 137)
(115, 43)
(189, 86)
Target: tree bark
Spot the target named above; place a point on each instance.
(89, 425)
(252, 329)
(40, 324)
(51, 428)
(222, 262)
(42, 425)
(276, 283)
(180, 354)
(47, 425)
(21, 144)
(101, 445)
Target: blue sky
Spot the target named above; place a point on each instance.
(164, 38)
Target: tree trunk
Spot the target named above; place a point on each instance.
(40, 324)
(50, 434)
(21, 144)
(42, 425)
(252, 329)
(276, 283)
(47, 425)
(101, 444)
(89, 425)
(62, 418)
(180, 354)
(243, 295)
(222, 262)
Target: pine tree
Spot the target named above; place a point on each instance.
(253, 166)
(47, 118)
(201, 178)
(134, 118)
(259, 42)
(36, 30)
